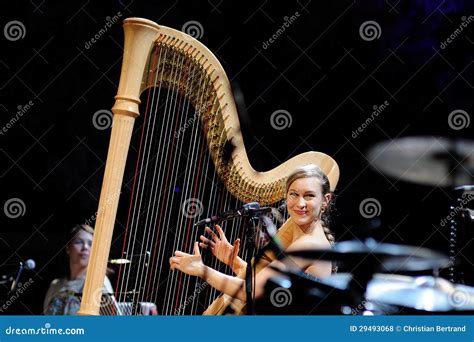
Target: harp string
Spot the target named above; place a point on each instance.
(153, 233)
(160, 250)
(149, 139)
(193, 191)
(157, 174)
(131, 243)
(184, 199)
(172, 289)
(210, 207)
(122, 284)
(171, 106)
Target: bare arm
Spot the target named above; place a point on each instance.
(233, 286)
(222, 249)
(192, 264)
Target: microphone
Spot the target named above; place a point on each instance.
(245, 210)
(27, 265)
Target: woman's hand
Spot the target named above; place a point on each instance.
(220, 247)
(188, 263)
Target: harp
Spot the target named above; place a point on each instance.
(191, 158)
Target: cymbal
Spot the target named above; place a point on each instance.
(432, 294)
(423, 293)
(388, 257)
(434, 161)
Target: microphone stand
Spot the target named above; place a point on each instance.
(250, 222)
(17, 279)
(250, 233)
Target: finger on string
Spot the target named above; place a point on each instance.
(204, 239)
(213, 235)
(203, 245)
(174, 260)
(236, 247)
(196, 248)
(220, 231)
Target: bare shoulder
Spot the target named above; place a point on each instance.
(309, 242)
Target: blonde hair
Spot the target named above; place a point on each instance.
(77, 228)
(309, 171)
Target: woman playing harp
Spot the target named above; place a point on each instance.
(186, 93)
(308, 199)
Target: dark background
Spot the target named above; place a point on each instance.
(320, 70)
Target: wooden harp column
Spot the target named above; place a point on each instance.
(139, 36)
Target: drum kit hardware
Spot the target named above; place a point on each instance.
(373, 286)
